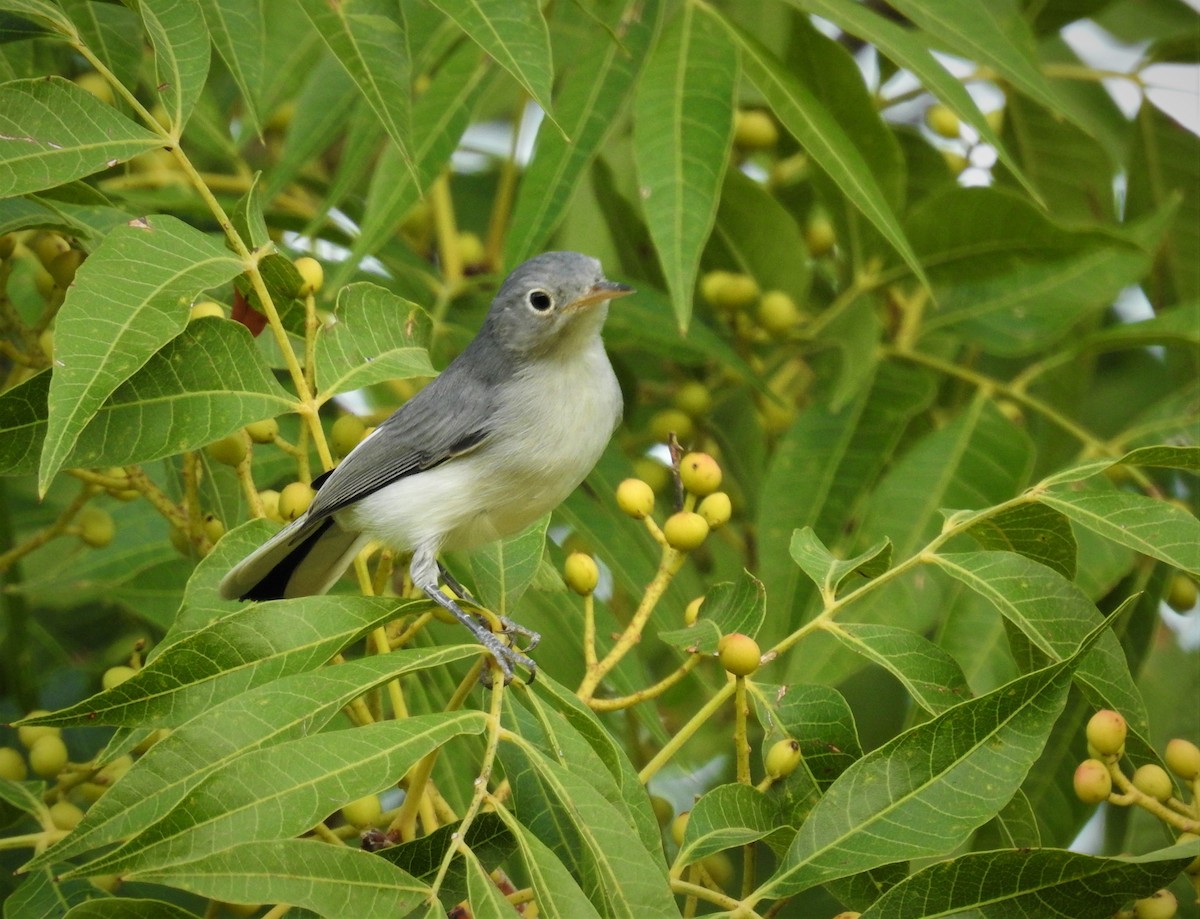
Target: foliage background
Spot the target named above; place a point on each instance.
(948, 411)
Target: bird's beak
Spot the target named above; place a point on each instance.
(602, 290)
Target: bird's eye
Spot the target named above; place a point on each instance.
(540, 300)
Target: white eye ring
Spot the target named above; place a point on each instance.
(540, 300)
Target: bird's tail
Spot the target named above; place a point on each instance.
(302, 559)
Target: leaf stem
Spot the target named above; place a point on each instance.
(684, 734)
(650, 692)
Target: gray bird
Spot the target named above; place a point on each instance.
(498, 439)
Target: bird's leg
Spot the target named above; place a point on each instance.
(453, 583)
(506, 656)
(508, 626)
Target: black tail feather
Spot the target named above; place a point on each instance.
(273, 585)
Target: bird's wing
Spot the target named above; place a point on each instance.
(449, 417)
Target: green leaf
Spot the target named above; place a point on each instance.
(368, 41)
(52, 132)
(129, 299)
(42, 12)
(924, 792)
(556, 890)
(375, 336)
(811, 123)
(239, 35)
(514, 33)
(23, 424)
(278, 792)
(248, 218)
(505, 568)
(1165, 456)
(736, 606)
(592, 92)
(122, 908)
(254, 645)
(483, 894)
(111, 32)
(1047, 883)
(1055, 615)
(816, 716)
(1033, 530)
(330, 880)
(179, 37)
(683, 131)
(729, 815)
(930, 675)
(299, 704)
(1147, 525)
(827, 570)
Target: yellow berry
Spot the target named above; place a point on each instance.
(180, 539)
(312, 275)
(470, 249)
(1159, 905)
(679, 827)
(214, 528)
(65, 815)
(942, 121)
(115, 676)
(735, 292)
(819, 235)
(693, 398)
(672, 421)
(1152, 779)
(1093, 783)
(754, 129)
(29, 734)
(1183, 758)
(113, 770)
(48, 756)
(739, 654)
(720, 868)
(12, 765)
(1182, 593)
(230, 450)
(652, 472)
(580, 573)
(635, 498)
(783, 758)
(1192, 867)
(777, 312)
(46, 343)
(47, 246)
(96, 527)
(685, 530)
(92, 82)
(692, 611)
(700, 474)
(64, 266)
(364, 812)
(270, 500)
(206, 309)
(716, 509)
(346, 434)
(263, 432)
(294, 500)
(712, 283)
(1106, 731)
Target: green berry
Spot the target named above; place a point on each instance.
(65, 815)
(581, 573)
(672, 421)
(1183, 758)
(685, 531)
(693, 398)
(652, 472)
(12, 765)
(819, 235)
(778, 313)
(1192, 867)
(29, 734)
(346, 434)
(96, 527)
(1093, 783)
(1182, 593)
(635, 498)
(663, 811)
(470, 249)
(1152, 779)
(700, 474)
(270, 501)
(754, 129)
(48, 756)
(214, 528)
(1106, 732)
(731, 292)
(679, 827)
(228, 451)
(364, 812)
(783, 758)
(263, 432)
(115, 676)
(294, 500)
(739, 654)
(64, 266)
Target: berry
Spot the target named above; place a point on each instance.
(1194, 866)
(819, 235)
(1183, 758)
(720, 868)
(754, 129)
(12, 765)
(711, 283)
(96, 527)
(672, 421)
(113, 770)
(46, 343)
(783, 758)
(312, 275)
(777, 312)
(1152, 779)
(115, 676)
(229, 450)
(580, 573)
(214, 528)
(652, 472)
(48, 756)
(263, 432)
(635, 498)
(8, 245)
(739, 654)
(685, 530)
(65, 815)
(95, 84)
(692, 611)
(731, 292)
(716, 509)
(663, 811)
(693, 398)
(47, 246)
(470, 249)
(942, 121)
(679, 827)
(1182, 593)
(1093, 783)
(294, 500)
(206, 309)
(346, 434)
(270, 500)
(1159, 905)
(29, 734)
(363, 812)
(700, 474)
(64, 266)
(1106, 731)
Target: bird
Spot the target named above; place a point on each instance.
(497, 440)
